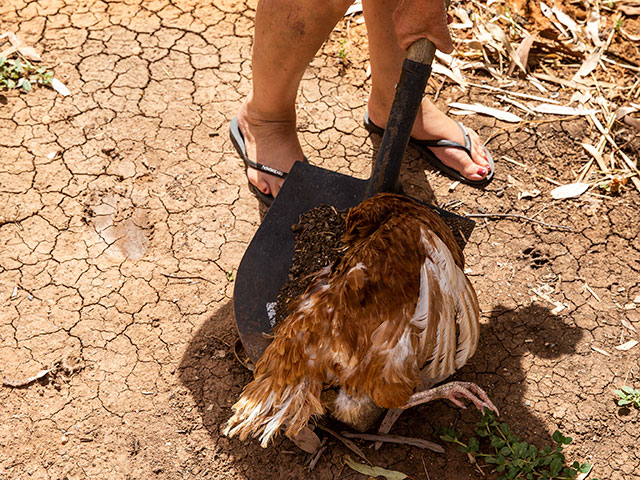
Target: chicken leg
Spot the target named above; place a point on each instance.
(453, 391)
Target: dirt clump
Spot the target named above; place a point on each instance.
(318, 236)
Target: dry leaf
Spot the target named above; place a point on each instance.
(547, 12)
(632, 122)
(581, 97)
(623, 111)
(563, 110)
(307, 440)
(523, 50)
(629, 10)
(463, 15)
(628, 36)
(461, 112)
(627, 324)
(60, 87)
(9, 382)
(374, 471)
(455, 76)
(29, 53)
(571, 190)
(594, 153)
(599, 350)
(526, 194)
(515, 103)
(589, 65)
(355, 8)
(8, 51)
(593, 27)
(567, 21)
(627, 346)
(499, 35)
(494, 112)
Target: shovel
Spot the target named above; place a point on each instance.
(265, 265)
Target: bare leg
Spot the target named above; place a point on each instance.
(386, 62)
(288, 33)
(453, 391)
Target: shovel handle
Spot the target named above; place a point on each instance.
(416, 70)
(421, 51)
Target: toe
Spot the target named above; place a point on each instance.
(478, 152)
(260, 180)
(459, 160)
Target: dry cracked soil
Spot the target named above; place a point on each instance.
(125, 213)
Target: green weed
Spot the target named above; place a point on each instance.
(343, 54)
(628, 396)
(515, 459)
(22, 74)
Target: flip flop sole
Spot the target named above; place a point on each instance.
(422, 146)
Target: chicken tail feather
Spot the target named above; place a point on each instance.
(263, 410)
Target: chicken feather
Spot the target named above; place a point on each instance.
(395, 312)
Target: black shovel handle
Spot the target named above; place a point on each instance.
(416, 71)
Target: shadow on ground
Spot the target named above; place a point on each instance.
(510, 340)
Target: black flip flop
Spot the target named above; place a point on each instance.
(238, 142)
(422, 146)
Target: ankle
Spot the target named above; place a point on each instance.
(257, 112)
(378, 108)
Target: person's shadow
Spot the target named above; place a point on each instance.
(510, 342)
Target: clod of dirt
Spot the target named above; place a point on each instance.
(318, 237)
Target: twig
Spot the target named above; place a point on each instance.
(415, 442)
(599, 148)
(590, 290)
(624, 156)
(519, 105)
(348, 443)
(424, 465)
(550, 180)
(524, 123)
(623, 65)
(186, 277)
(520, 217)
(511, 160)
(514, 94)
(246, 363)
(316, 456)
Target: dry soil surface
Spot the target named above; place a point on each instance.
(125, 213)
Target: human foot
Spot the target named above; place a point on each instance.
(431, 124)
(270, 142)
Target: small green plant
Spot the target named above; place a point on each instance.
(20, 73)
(342, 53)
(628, 396)
(513, 458)
(619, 23)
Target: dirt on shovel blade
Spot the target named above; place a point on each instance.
(318, 237)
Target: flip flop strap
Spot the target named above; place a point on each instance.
(450, 143)
(265, 168)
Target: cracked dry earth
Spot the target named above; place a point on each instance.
(124, 207)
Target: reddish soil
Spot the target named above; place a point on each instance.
(125, 207)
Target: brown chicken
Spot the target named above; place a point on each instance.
(394, 314)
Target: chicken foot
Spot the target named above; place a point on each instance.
(452, 391)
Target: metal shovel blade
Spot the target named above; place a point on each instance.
(264, 269)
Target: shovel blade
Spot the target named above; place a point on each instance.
(265, 265)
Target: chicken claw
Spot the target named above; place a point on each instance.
(455, 392)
